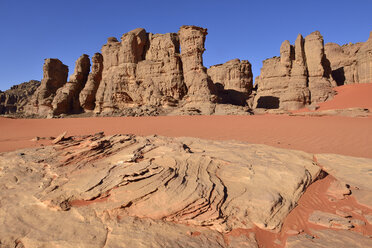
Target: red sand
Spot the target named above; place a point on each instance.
(342, 135)
(348, 96)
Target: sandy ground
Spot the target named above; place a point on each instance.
(348, 96)
(341, 135)
(336, 134)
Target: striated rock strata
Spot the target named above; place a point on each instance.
(131, 191)
(300, 76)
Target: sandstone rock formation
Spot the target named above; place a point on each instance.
(54, 77)
(351, 63)
(199, 86)
(153, 74)
(141, 69)
(17, 97)
(66, 100)
(87, 96)
(233, 80)
(300, 76)
(96, 191)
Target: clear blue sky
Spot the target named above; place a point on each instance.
(31, 31)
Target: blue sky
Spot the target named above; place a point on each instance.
(31, 31)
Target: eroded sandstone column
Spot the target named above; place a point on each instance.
(55, 75)
(318, 69)
(192, 40)
(87, 96)
(66, 100)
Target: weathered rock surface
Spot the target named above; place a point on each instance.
(299, 77)
(96, 191)
(233, 80)
(17, 97)
(330, 220)
(329, 238)
(352, 171)
(101, 181)
(66, 100)
(351, 63)
(54, 77)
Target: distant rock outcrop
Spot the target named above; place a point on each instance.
(351, 63)
(55, 75)
(300, 76)
(14, 99)
(233, 80)
(152, 74)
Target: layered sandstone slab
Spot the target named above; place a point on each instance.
(300, 76)
(94, 183)
(96, 190)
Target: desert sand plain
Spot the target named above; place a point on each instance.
(333, 209)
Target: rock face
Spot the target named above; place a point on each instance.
(233, 80)
(87, 96)
(17, 97)
(141, 69)
(300, 76)
(66, 100)
(55, 75)
(351, 63)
